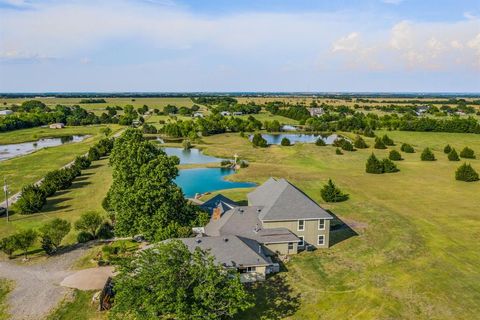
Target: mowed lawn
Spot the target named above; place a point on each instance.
(86, 193)
(416, 255)
(5, 287)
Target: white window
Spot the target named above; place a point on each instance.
(301, 225)
(302, 242)
(251, 269)
(321, 224)
(290, 246)
(321, 240)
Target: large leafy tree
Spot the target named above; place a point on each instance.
(170, 282)
(89, 222)
(52, 233)
(143, 194)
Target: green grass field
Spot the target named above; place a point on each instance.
(78, 307)
(416, 253)
(86, 193)
(5, 287)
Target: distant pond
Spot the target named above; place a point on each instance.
(191, 156)
(8, 151)
(201, 180)
(297, 137)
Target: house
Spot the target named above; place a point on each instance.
(5, 112)
(225, 113)
(316, 112)
(237, 113)
(279, 220)
(58, 125)
(198, 115)
(421, 110)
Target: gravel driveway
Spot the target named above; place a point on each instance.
(37, 287)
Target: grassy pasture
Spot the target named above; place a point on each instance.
(5, 287)
(415, 255)
(79, 307)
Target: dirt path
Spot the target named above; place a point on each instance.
(37, 288)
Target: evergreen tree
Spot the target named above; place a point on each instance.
(368, 132)
(285, 142)
(330, 193)
(347, 145)
(389, 166)
(320, 142)
(453, 155)
(427, 155)
(359, 143)
(259, 141)
(447, 149)
(395, 155)
(387, 141)
(407, 148)
(379, 144)
(374, 165)
(467, 153)
(466, 173)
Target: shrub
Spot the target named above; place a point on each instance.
(90, 221)
(25, 239)
(338, 151)
(427, 155)
(8, 245)
(467, 153)
(374, 165)
(359, 143)
(453, 155)
(52, 234)
(186, 144)
(320, 142)
(243, 164)
(389, 166)
(93, 154)
(82, 163)
(379, 144)
(368, 132)
(347, 145)
(285, 142)
(84, 236)
(31, 200)
(225, 163)
(395, 155)
(387, 141)
(407, 148)
(105, 231)
(466, 173)
(447, 149)
(259, 141)
(330, 193)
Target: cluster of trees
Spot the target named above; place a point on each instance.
(184, 111)
(91, 225)
(144, 198)
(250, 108)
(376, 166)
(33, 197)
(169, 281)
(92, 100)
(213, 124)
(272, 126)
(212, 101)
(344, 144)
(34, 115)
(297, 112)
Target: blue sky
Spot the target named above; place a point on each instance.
(269, 45)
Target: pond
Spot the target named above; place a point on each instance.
(8, 151)
(297, 137)
(201, 180)
(191, 156)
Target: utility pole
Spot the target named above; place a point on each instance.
(5, 189)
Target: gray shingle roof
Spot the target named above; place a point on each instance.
(230, 250)
(221, 201)
(245, 222)
(281, 200)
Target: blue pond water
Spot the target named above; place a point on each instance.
(191, 156)
(297, 137)
(201, 180)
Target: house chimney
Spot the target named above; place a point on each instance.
(217, 213)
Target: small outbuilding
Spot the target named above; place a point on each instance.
(5, 112)
(58, 125)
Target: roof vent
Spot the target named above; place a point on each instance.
(259, 210)
(225, 239)
(198, 240)
(240, 210)
(256, 228)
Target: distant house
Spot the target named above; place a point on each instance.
(225, 113)
(279, 220)
(198, 115)
(460, 113)
(316, 112)
(237, 113)
(421, 110)
(5, 112)
(58, 125)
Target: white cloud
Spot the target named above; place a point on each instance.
(347, 43)
(392, 1)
